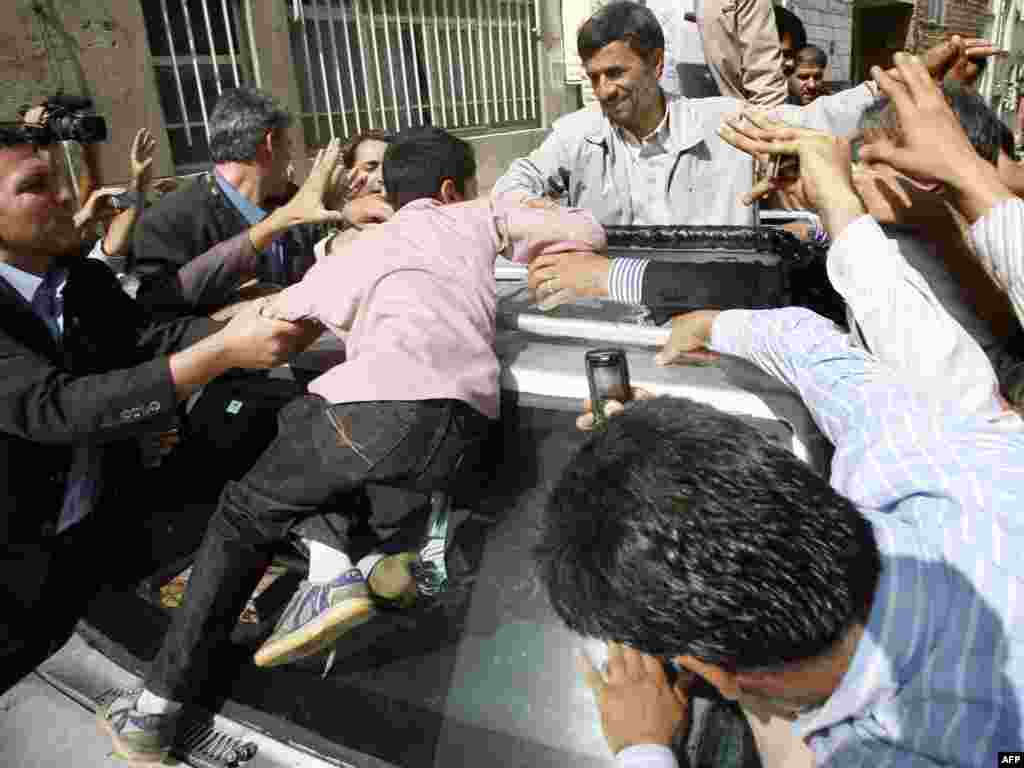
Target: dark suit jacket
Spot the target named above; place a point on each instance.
(186, 224)
(108, 380)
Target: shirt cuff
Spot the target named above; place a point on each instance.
(626, 280)
(646, 756)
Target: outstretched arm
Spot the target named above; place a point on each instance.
(903, 323)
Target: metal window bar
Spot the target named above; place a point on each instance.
(337, 63)
(415, 65)
(455, 82)
(516, 65)
(376, 66)
(531, 48)
(426, 60)
(472, 62)
(488, 96)
(300, 14)
(503, 43)
(323, 72)
(521, 35)
(401, 56)
(455, 5)
(195, 67)
(438, 61)
(451, 64)
(362, 59)
(211, 46)
(351, 70)
(495, 101)
(228, 26)
(391, 70)
(177, 72)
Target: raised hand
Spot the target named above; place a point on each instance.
(97, 207)
(310, 205)
(825, 161)
(934, 147)
(141, 158)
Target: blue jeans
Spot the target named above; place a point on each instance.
(322, 451)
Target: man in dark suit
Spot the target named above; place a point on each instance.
(251, 151)
(84, 371)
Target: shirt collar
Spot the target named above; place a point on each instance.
(252, 213)
(684, 127)
(874, 670)
(25, 283)
(658, 136)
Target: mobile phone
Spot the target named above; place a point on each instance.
(784, 166)
(125, 200)
(608, 378)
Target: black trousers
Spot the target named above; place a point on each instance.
(146, 518)
(321, 452)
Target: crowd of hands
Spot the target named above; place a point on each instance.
(637, 702)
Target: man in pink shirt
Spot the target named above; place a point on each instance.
(419, 387)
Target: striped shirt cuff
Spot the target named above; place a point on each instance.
(998, 238)
(626, 280)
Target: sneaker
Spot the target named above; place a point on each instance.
(316, 616)
(138, 738)
(392, 579)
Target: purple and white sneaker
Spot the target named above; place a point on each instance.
(316, 616)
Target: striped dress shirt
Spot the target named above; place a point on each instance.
(999, 242)
(938, 676)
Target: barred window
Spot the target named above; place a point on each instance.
(391, 64)
(199, 49)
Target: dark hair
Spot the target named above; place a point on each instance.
(629, 22)
(240, 121)
(418, 161)
(986, 132)
(812, 54)
(789, 23)
(350, 147)
(683, 530)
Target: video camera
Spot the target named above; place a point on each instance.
(65, 118)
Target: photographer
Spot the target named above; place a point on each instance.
(84, 373)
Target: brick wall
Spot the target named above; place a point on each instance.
(960, 17)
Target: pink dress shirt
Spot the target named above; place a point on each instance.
(417, 297)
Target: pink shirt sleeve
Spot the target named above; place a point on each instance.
(529, 232)
(323, 294)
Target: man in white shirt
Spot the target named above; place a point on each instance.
(936, 483)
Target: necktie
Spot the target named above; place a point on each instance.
(83, 479)
(47, 301)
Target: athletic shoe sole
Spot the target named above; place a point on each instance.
(316, 635)
(123, 751)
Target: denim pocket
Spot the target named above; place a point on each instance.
(372, 430)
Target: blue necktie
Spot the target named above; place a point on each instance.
(47, 301)
(83, 479)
